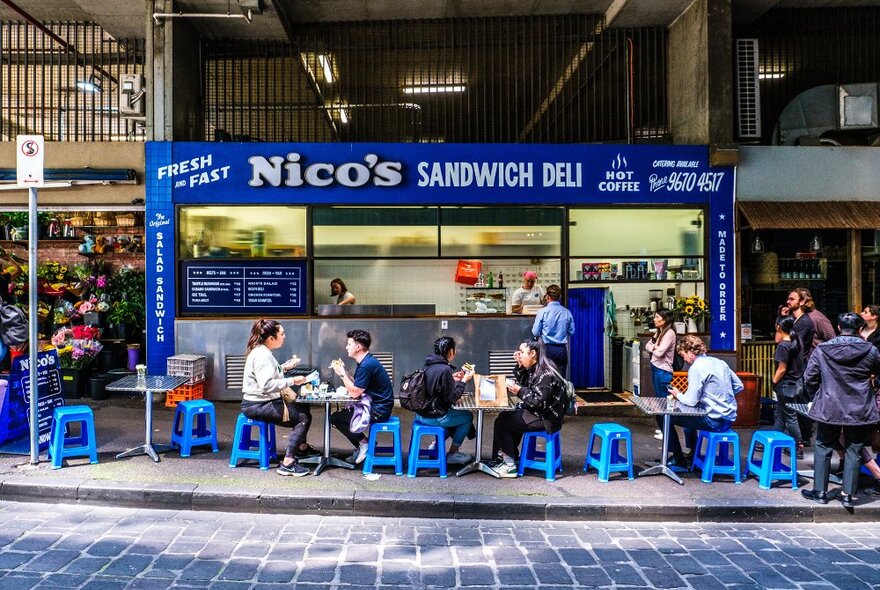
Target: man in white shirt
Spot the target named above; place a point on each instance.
(531, 293)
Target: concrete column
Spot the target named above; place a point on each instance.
(173, 76)
(700, 79)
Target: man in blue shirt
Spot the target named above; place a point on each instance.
(554, 325)
(712, 386)
(370, 378)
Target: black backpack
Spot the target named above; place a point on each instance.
(414, 395)
(13, 325)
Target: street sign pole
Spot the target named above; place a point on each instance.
(30, 157)
(32, 322)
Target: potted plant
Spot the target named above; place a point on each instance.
(77, 346)
(126, 290)
(690, 310)
(18, 222)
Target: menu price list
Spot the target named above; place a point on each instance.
(236, 288)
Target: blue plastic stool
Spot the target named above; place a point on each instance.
(770, 466)
(427, 458)
(184, 435)
(62, 446)
(549, 460)
(608, 458)
(374, 458)
(721, 456)
(245, 447)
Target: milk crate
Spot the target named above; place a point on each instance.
(184, 393)
(187, 365)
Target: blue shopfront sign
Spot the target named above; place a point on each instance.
(429, 174)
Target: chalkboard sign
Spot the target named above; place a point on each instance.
(15, 403)
(243, 287)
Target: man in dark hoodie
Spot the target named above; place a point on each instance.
(838, 379)
(445, 387)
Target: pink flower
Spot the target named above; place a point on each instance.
(85, 307)
(101, 281)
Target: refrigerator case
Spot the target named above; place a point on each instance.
(485, 300)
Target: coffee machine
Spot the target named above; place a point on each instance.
(655, 296)
(670, 298)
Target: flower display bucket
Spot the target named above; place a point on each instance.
(74, 382)
(99, 383)
(692, 327)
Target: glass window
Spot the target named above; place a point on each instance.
(245, 232)
(368, 232)
(501, 231)
(636, 232)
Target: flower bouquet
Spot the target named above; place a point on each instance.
(691, 310)
(76, 346)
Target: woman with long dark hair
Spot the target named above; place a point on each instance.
(542, 392)
(262, 384)
(661, 347)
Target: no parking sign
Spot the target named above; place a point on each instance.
(29, 161)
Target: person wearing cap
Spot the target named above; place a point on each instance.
(531, 293)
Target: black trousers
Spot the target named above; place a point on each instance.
(509, 428)
(827, 439)
(558, 353)
(273, 412)
(342, 421)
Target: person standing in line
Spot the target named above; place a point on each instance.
(661, 347)
(341, 292)
(823, 329)
(531, 293)
(445, 386)
(805, 330)
(712, 386)
(869, 331)
(262, 385)
(370, 378)
(554, 325)
(871, 334)
(786, 379)
(838, 379)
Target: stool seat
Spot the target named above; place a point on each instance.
(245, 447)
(721, 456)
(608, 459)
(549, 460)
(426, 458)
(185, 435)
(770, 465)
(62, 446)
(377, 455)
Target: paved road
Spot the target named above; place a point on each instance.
(59, 546)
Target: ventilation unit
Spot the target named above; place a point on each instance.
(748, 92)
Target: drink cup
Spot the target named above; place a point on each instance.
(141, 372)
(670, 402)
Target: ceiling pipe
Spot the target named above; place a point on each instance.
(157, 15)
(64, 44)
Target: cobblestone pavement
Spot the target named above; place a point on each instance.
(64, 546)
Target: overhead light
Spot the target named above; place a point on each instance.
(816, 243)
(91, 85)
(757, 245)
(324, 60)
(434, 89)
(343, 115)
(771, 75)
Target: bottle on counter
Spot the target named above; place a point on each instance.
(491, 280)
(500, 280)
(480, 282)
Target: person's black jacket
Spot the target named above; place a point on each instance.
(838, 379)
(542, 395)
(442, 388)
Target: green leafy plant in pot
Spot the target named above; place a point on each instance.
(127, 291)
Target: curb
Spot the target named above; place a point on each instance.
(399, 505)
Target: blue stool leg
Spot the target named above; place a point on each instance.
(441, 455)
(236, 442)
(629, 456)
(371, 450)
(413, 461)
(89, 427)
(264, 446)
(605, 461)
(398, 452)
(186, 431)
(214, 447)
(550, 458)
(57, 443)
(737, 468)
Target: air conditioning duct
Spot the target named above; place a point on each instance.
(818, 114)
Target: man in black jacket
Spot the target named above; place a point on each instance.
(838, 378)
(445, 387)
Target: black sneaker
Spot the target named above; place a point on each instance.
(296, 470)
(309, 451)
(815, 495)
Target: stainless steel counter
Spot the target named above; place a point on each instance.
(405, 309)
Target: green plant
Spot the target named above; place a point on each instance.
(127, 290)
(125, 312)
(17, 218)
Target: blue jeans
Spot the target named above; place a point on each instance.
(690, 425)
(660, 379)
(456, 422)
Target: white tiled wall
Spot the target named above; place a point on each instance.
(423, 281)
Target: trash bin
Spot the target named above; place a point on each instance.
(616, 364)
(98, 384)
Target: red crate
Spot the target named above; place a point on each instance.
(184, 393)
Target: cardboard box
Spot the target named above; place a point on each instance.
(482, 392)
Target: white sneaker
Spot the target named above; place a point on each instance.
(506, 470)
(459, 458)
(361, 454)
(658, 434)
(433, 445)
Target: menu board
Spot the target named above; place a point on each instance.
(243, 287)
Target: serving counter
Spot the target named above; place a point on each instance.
(400, 343)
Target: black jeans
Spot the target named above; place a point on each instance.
(690, 425)
(558, 353)
(509, 428)
(785, 418)
(827, 438)
(273, 412)
(342, 421)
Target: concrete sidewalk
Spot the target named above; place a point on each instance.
(206, 482)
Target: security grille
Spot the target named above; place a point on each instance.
(501, 362)
(235, 371)
(386, 359)
(748, 90)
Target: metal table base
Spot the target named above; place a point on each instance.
(664, 458)
(326, 460)
(477, 464)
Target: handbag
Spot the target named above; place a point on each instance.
(791, 389)
(288, 396)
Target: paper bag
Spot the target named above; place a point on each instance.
(468, 271)
(491, 390)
